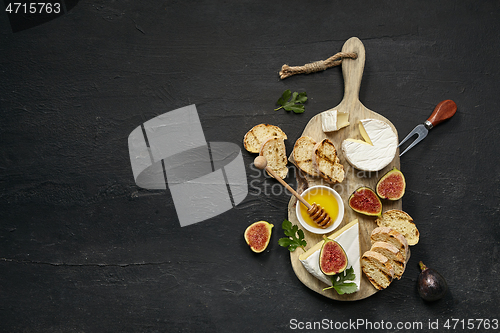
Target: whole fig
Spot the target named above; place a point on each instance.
(431, 285)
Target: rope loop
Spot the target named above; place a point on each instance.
(317, 66)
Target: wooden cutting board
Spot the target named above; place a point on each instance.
(352, 71)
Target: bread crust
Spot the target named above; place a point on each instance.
(385, 269)
(277, 161)
(302, 155)
(402, 222)
(392, 236)
(255, 137)
(327, 163)
(394, 256)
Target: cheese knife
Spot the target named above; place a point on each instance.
(444, 110)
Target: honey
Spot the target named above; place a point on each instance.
(322, 197)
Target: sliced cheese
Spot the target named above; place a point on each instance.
(348, 238)
(333, 120)
(365, 135)
(378, 149)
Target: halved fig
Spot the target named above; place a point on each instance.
(365, 201)
(258, 235)
(332, 257)
(392, 185)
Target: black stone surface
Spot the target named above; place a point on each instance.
(83, 249)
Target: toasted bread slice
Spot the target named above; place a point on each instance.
(273, 149)
(377, 269)
(326, 162)
(254, 138)
(302, 155)
(393, 254)
(388, 235)
(402, 222)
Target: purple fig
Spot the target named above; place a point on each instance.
(431, 285)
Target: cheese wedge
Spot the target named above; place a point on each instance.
(376, 151)
(348, 238)
(333, 120)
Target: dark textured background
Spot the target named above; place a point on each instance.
(83, 249)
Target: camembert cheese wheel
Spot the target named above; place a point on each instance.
(378, 149)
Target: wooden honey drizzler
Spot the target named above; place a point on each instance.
(315, 211)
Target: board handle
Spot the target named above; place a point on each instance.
(352, 69)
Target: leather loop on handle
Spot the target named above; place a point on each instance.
(444, 110)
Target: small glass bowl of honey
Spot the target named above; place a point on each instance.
(329, 200)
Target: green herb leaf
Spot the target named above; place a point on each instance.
(296, 234)
(349, 274)
(296, 108)
(285, 242)
(294, 104)
(346, 288)
(302, 97)
(285, 97)
(339, 284)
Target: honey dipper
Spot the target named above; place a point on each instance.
(315, 211)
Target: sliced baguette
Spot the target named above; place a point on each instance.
(388, 235)
(393, 254)
(273, 149)
(326, 162)
(377, 269)
(302, 155)
(401, 222)
(254, 138)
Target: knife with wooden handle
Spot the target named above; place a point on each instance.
(443, 111)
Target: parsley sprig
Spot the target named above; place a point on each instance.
(339, 284)
(296, 234)
(295, 104)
